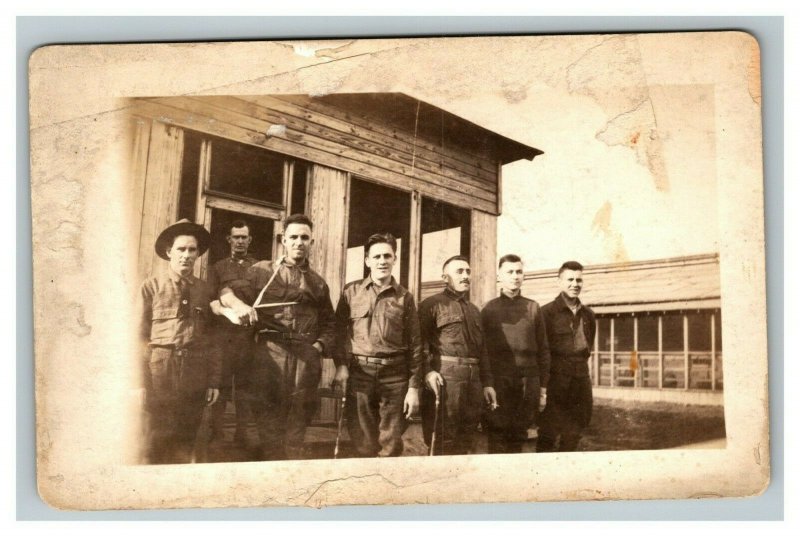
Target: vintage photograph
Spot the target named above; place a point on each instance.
(450, 345)
(393, 271)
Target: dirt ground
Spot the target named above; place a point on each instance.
(616, 425)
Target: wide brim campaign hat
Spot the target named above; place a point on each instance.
(182, 227)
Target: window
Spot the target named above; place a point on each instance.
(246, 171)
(683, 360)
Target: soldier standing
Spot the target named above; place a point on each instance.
(571, 331)
(235, 342)
(294, 322)
(380, 352)
(517, 343)
(456, 359)
(179, 375)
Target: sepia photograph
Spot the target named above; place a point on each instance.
(485, 269)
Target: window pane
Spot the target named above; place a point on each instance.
(604, 334)
(718, 330)
(673, 332)
(648, 333)
(623, 334)
(246, 171)
(699, 331)
(299, 181)
(190, 171)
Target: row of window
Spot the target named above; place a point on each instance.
(681, 350)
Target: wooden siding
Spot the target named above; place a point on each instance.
(321, 134)
(161, 189)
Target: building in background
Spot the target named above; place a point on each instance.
(357, 164)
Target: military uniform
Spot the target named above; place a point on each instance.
(519, 354)
(454, 346)
(234, 342)
(379, 339)
(569, 408)
(177, 368)
(286, 368)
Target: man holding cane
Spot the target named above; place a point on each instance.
(459, 376)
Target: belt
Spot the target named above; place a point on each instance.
(177, 351)
(277, 335)
(378, 360)
(460, 360)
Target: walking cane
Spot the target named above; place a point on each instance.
(341, 420)
(436, 420)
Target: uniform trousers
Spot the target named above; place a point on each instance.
(459, 410)
(568, 411)
(175, 403)
(374, 408)
(518, 403)
(235, 346)
(281, 390)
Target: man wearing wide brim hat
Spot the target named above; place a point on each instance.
(179, 376)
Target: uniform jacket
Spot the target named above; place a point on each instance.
(312, 318)
(561, 326)
(385, 324)
(174, 312)
(451, 326)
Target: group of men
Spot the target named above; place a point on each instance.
(255, 333)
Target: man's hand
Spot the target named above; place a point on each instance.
(490, 396)
(411, 402)
(543, 399)
(246, 314)
(216, 307)
(212, 394)
(341, 376)
(435, 381)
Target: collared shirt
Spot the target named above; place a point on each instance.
(231, 272)
(570, 334)
(516, 337)
(451, 326)
(174, 310)
(312, 317)
(372, 322)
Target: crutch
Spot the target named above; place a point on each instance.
(341, 420)
(437, 405)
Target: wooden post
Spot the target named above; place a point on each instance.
(613, 356)
(596, 352)
(415, 245)
(328, 205)
(162, 187)
(686, 365)
(660, 351)
(713, 351)
(638, 375)
(483, 257)
(202, 210)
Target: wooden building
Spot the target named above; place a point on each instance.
(355, 163)
(659, 334)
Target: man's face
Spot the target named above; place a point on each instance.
(571, 282)
(457, 276)
(297, 241)
(510, 276)
(182, 254)
(240, 240)
(380, 260)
